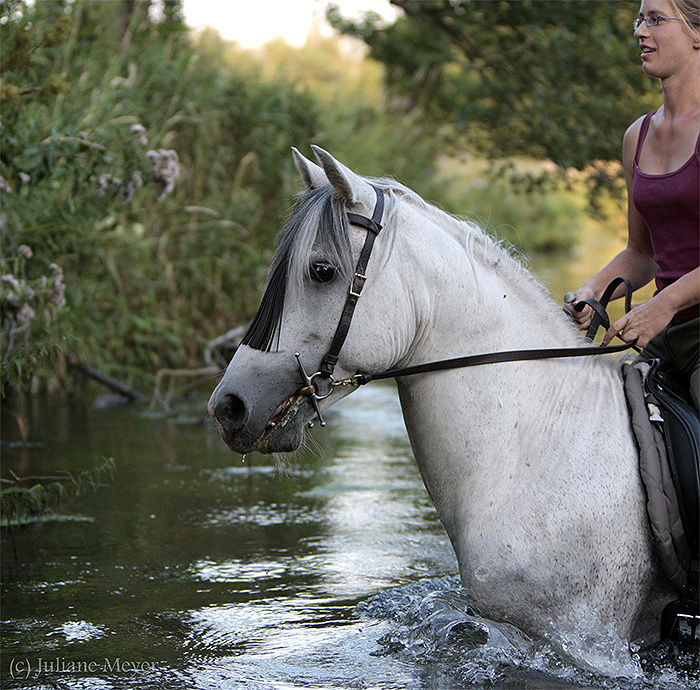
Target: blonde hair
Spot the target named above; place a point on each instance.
(689, 12)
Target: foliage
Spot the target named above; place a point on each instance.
(103, 105)
(21, 504)
(540, 221)
(547, 79)
(356, 123)
(24, 332)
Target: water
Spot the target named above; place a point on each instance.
(197, 570)
(207, 570)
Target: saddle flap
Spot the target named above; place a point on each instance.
(668, 389)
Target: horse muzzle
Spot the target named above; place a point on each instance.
(250, 417)
(282, 432)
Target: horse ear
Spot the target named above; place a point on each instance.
(349, 185)
(311, 174)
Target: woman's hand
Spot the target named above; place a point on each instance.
(644, 322)
(584, 317)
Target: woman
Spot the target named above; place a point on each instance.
(661, 160)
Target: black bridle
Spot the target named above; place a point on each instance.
(319, 385)
(327, 366)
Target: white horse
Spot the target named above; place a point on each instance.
(531, 465)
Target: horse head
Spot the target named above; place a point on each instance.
(279, 380)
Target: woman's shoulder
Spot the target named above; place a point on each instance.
(635, 128)
(631, 138)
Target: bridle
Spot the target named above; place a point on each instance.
(321, 384)
(312, 382)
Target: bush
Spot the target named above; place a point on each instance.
(151, 172)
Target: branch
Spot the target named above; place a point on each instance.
(15, 479)
(73, 140)
(232, 337)
(108, 381)
(163, 399)
(163, 394)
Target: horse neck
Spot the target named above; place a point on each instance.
(483, 296)
(489, 422)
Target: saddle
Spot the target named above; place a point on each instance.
(667, 429)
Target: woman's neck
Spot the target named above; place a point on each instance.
(682, 95)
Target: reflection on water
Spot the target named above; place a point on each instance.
(193, 554)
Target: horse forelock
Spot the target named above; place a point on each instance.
(318, 229)
(318, 226)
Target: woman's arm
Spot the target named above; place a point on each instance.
(636, 261)
(647, 320)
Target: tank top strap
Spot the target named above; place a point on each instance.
(642, 136)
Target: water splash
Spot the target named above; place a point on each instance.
(79, 631)
(434, 625)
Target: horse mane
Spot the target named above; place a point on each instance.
(480, 245)
(493, 253)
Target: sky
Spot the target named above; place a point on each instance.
(253, 22)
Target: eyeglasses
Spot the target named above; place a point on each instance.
(652, 21)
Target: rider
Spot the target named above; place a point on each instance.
(661, 160)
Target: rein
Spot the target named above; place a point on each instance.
(600, 318)
(491, 358)
(320, 385)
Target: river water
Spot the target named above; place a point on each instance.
(198, 568)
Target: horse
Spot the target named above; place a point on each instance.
(531, 465)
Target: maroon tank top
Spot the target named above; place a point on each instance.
(670, 207)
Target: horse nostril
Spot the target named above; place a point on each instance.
(230, 412)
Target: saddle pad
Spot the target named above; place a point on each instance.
(662, 500)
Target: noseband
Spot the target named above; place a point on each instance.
(319, 385)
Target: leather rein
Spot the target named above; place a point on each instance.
(321, 384)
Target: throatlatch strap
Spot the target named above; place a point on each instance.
(372, 225)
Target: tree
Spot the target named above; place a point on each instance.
(555, 79)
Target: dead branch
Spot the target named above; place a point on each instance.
(231, 338)
(168, 382)
(105, 380)
(163, 394)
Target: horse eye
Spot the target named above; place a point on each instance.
(322, 272)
